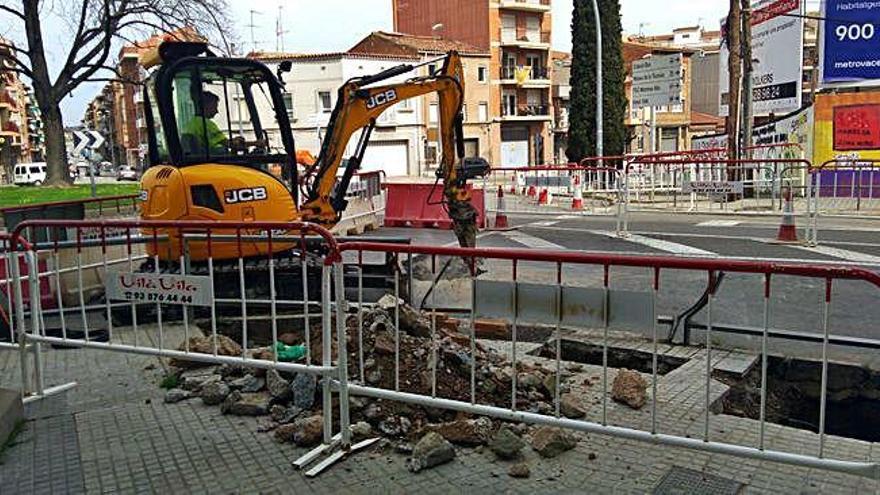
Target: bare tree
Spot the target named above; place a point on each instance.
(97, 26)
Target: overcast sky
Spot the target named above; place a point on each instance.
(334, 25)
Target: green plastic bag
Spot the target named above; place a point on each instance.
(288, 353)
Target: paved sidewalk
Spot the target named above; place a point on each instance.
(113, 434)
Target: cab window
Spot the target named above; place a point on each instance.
(225, 113)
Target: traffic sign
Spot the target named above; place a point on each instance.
(86, 139)
(657, 81)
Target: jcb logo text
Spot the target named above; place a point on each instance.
(246, 195)
(381, 99)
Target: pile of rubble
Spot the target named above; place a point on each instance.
(290, 403)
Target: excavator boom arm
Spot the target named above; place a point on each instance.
(358, 107)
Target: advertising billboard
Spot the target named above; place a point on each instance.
(794, 129)
(777, 46)
(850, 41)
(847, 127)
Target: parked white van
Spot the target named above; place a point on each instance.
(26, 174)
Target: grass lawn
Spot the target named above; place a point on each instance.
(17, 196)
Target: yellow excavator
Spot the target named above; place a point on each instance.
(218, 124)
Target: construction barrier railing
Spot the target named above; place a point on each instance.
(712, 185)
(151, 287)
(556, 190)
(595, 295)
(203, 292)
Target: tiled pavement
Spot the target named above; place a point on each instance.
(113, 434)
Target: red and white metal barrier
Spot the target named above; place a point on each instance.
(148, 288)
(558, 190)
(574, 291)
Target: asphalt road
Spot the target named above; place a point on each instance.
(796, 304)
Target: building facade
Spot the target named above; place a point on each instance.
(311, 92)
(21, 128)
(561, 77)
(516, 34)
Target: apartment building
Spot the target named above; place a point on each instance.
(516, 34)
(561, 78)
(21, 127)
(311, 92)
(478, 92)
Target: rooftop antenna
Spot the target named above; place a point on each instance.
(252, 26)
(279, 31)
(642, 28)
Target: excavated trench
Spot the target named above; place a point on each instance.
(793, 397)
(620, 358)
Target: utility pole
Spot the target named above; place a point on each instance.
(600, 95)
(252, 26)
(734, 66)
(748, 84)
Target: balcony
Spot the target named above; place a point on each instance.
(526, 5)
(6, 100)
(526, 76)
(525, 113)
(9, 129)
(533, 40)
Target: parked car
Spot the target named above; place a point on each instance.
(30, 174)
(126, 172)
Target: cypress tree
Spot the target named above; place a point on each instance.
(582, 109)
(582, 114)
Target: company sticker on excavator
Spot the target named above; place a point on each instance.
(153, 288)
(245, 195)
(382, 98)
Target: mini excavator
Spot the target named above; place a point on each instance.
(219, 124)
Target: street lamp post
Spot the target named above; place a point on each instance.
(600, 133)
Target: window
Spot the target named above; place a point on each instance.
(288, 104)
(464, 117)
(533, 29)
(482, 74)
(483, 112)
(405, 105)
(432, 69)
(433, 113)
(325, 104)
(508, 28)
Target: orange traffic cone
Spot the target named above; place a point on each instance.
(577, 202)
(500, 214)
(513, 183)
(787, 230)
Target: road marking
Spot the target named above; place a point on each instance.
(719, 223)
(544, 224)
(531, 241)
(658, 244)
(843, 254)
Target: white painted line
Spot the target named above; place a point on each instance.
(532, 241)
(719, 223)
(843, 254)
(660, 245)
(544, 224)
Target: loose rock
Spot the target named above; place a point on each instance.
(571, 407)
(520, 470)
(239, 404)
(309, 431)
(278, 387)
(194, 382)
(432, 450)
(283, 415)
(303, 389)
(361, 430)
(248, 384)
(550, 442)
(214, 393)
(205, 345)
(468, 432)
(506, 444)
(176, 395)
(630, 388)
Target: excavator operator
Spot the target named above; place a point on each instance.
(201, 134)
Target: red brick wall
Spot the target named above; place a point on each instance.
(463, 20)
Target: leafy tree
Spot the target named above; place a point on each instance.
(96, 27)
